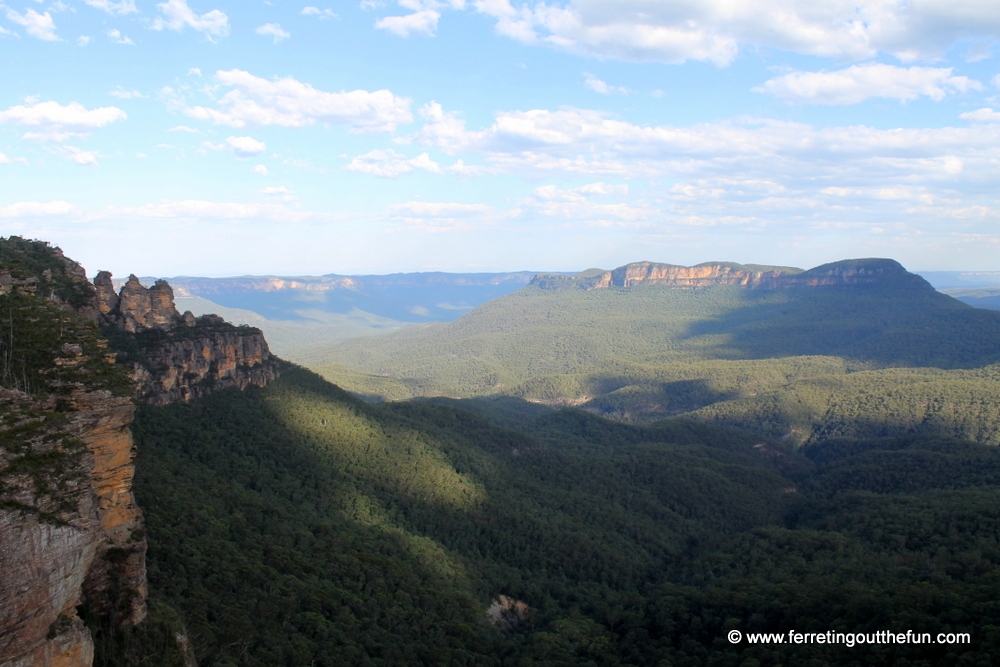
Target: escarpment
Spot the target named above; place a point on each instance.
(847, 272)
(70, 531)
(73, 358)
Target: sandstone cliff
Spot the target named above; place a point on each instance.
(71, 535)
(847, 272)
(70, 531)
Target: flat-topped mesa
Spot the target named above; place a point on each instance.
(653, 273)
(847, 272)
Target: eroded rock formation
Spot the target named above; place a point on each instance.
(180, 357)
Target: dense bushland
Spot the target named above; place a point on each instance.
(296, 525)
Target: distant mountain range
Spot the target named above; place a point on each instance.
(780, 351)
(300, 314)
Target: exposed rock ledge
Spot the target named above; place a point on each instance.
(847, 272)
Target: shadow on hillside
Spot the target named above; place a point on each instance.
(887, 327)
(647, 402)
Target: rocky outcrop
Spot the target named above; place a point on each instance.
(42, 270)
(848, 272)
(220, 356)
(179, 357)
(651, 273)
(70, 531)
(140, 309)
(107, 298)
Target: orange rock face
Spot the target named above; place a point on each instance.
(182, 369)
(849, 272)
(65, 521)
(140, 309)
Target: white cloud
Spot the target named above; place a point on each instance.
(80, 157)
(574, 204)
(260, 170)
(598, 86)
(582, 136)
(714, 30)
(274, 31)
(322, 14)
(177, 16)
(245, 146)
(462, 169)
(436, 217)
(279, 192)
(390, 164)
(4, 159)
(986, 115)
(40, 26)
(82, 40)
(56, 122)
(748, 173)
(123, 7)
(859, 82)
(423, 22)
(444, 130)
(552, 193)
(32, 209)
(116, 37)
(123, 94)
(291, 103)
(184, 128)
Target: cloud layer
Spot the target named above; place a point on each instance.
(860, 82)
(254, 101)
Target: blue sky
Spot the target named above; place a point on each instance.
(206, 137)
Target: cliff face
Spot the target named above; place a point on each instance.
(220, 356)
(70, 531)
(848, 272)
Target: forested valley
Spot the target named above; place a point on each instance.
(297, 525)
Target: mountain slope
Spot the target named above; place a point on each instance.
(293, 524)
(870, 312)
